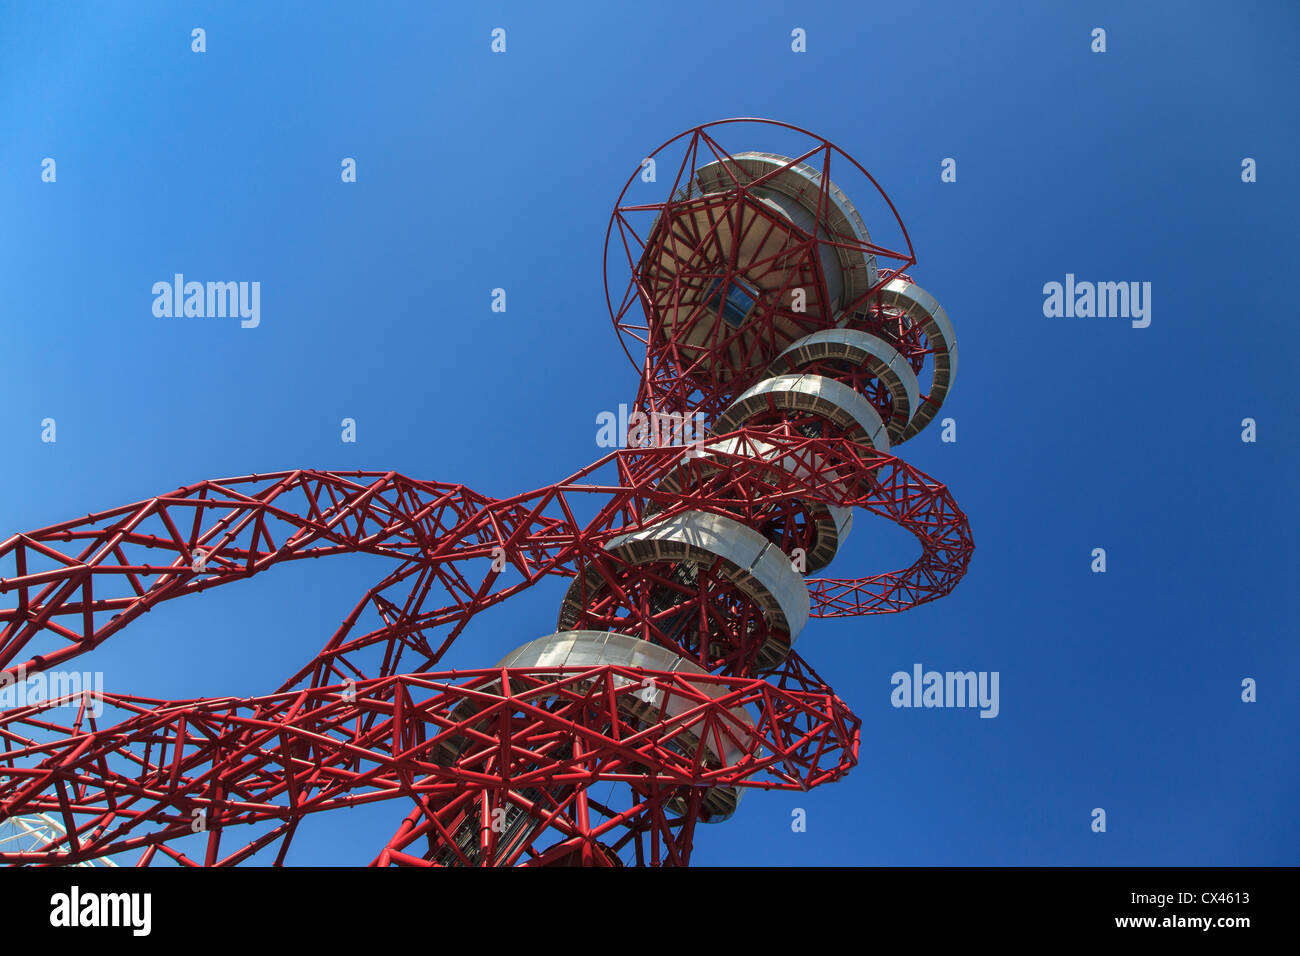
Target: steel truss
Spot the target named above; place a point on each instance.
(501, 766)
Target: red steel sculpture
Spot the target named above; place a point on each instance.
(756, 302)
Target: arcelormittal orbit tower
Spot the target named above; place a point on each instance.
(748, 291)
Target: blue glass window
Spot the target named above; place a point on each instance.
(739, 300)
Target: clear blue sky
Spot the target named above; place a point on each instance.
(1118, 690)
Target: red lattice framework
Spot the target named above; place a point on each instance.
(370, 717)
